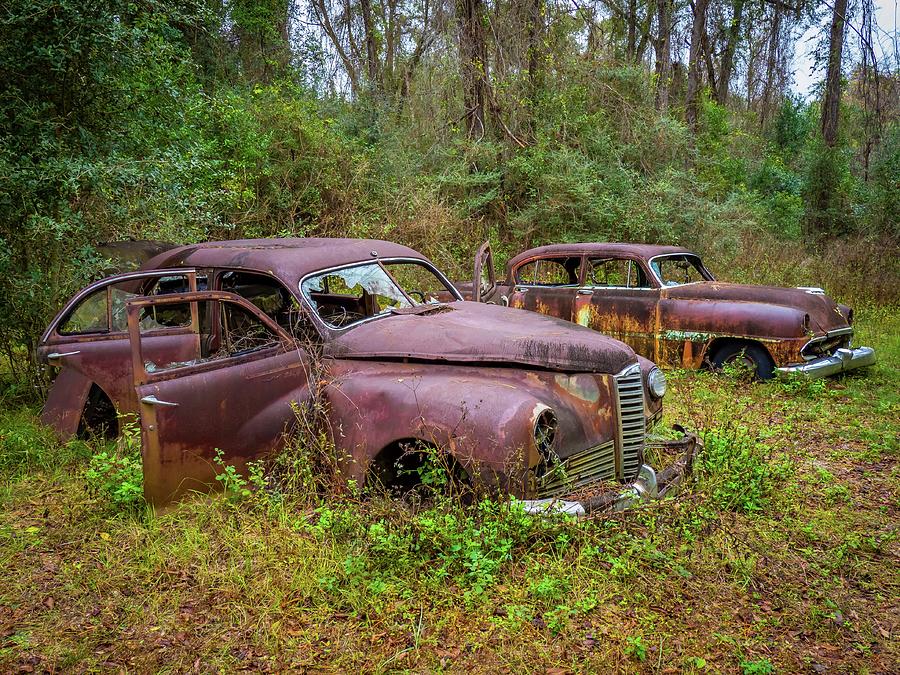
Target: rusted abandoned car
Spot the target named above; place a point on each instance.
(665, 304)
(220, 345)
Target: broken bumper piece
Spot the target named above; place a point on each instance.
(840, 361)
(648, 485)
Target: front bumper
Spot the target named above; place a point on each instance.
(842, 360)
(648, 485)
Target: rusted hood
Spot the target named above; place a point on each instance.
(471, 332)
(823, 311)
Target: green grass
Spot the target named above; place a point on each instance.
(781, 555)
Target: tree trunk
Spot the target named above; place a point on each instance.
(371, 47)
(534, 28)
(473, 66)
(832, 102)
(631, 20)
(692, 97)
(771, 66)
(663, 48)
(734, 32)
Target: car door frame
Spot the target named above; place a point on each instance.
(645, 343)
(484, 259)
(521, 290)
(160, 456)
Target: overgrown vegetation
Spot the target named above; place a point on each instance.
(183, 121)
(782, 547)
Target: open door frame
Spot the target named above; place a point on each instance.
(484, 261)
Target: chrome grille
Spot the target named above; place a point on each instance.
(632, 425)
(578, 470)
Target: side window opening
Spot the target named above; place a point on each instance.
(271, 298)
(227, 331)
(615, 273)
(89, 316)
(103, 311)
(550, 272)
(166, 316)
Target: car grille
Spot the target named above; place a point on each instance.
(632, 425)
(594, 464)
(620, 458)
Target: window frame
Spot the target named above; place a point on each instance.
(703, 271)
(329, 329)
(542, 258)
(632, 261)
(54, 334)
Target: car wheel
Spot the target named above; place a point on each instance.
(753, 357)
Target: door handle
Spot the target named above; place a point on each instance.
(152, 400)
(58, 355)
(585, 291)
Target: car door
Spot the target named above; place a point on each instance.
(617, 299)
(88, 342)
(547, 285)
(483, 282)
(231, 402)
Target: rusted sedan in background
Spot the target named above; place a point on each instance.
(665, 304)
(219, 346)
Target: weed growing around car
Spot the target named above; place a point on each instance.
(781, 556)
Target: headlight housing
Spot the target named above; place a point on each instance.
(656, 383)
(545, 433)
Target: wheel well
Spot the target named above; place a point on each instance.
(98, 418)
(718, 343)
(396, 467)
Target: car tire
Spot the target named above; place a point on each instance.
(753, 355)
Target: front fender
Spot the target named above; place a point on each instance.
(483, 416)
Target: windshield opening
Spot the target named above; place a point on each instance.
(677, 270)
(347, 296)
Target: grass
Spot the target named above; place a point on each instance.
(781, 556)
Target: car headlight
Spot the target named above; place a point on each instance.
(545, 432)
(656, 383)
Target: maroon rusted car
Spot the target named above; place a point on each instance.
(665, 304)
(218, 346)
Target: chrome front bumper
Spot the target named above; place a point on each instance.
(842, 360)
(647, 485)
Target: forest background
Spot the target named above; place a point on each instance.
(440, 124)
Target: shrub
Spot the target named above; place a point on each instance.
(117, 474)
(734, 469)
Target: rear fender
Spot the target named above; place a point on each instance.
(65, 403)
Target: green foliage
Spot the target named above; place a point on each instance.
(117, 474)
(736, 469)
(757, 667)
(635, 648)
(884, 204)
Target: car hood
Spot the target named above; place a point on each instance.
(472, 332)
(824, 313)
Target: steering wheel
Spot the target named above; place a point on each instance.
(418, 295)
(341, 316)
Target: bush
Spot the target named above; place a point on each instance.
(117, 475)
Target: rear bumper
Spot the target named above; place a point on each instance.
(842, 360)
(647, 485)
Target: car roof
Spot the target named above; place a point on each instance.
(287, 259)
(645, 251)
